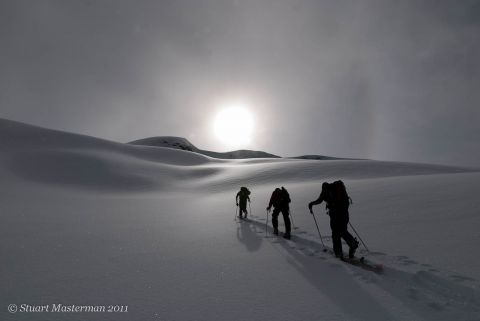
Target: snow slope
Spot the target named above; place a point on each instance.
(184, 144)
(92, 222)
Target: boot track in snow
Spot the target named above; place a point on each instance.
(360, 262)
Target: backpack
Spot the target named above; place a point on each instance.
(285, 197)
(338, 196)
(245, 191)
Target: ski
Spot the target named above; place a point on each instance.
(360, 262)
(364, 264)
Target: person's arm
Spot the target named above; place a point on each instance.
(271, 202)
(319, 200)
(236, 198)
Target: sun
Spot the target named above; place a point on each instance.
(234, 126)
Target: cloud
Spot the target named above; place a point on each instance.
(386, 80)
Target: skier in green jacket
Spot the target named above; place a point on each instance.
(241, 199)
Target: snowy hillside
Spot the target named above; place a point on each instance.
(184, 144)
(87, 221)
(319, 157)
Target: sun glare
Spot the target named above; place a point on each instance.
(234, 126)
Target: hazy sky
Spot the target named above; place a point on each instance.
(389, 80)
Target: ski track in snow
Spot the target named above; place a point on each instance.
(88, 221)
(426, 289)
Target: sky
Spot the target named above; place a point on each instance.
(386, 80)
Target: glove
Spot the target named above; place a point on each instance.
(237, 204)
(268, 208)
(310, 208)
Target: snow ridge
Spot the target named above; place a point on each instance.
(184, 144)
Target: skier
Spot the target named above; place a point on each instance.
(337, 200)
(280, 200)
(243, 195)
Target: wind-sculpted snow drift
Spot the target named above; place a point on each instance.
(77, 161)
(89, 221)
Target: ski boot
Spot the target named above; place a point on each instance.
(353, 248)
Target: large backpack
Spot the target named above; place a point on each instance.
(285, 196)
(245, 191)
(338, 196)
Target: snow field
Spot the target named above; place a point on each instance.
(87, 221)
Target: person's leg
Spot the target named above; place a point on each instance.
(275, 214)
(286, 219)
(244, 211)
(243, 205)
(336, 237)
(349, 239)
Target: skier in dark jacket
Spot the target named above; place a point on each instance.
(280, 201)
(243, 196)
(338, 212)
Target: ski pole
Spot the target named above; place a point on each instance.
(235, 217)
(358, 236)
(320, 235)
(293, 224)
(266, 225)
(250, 208)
